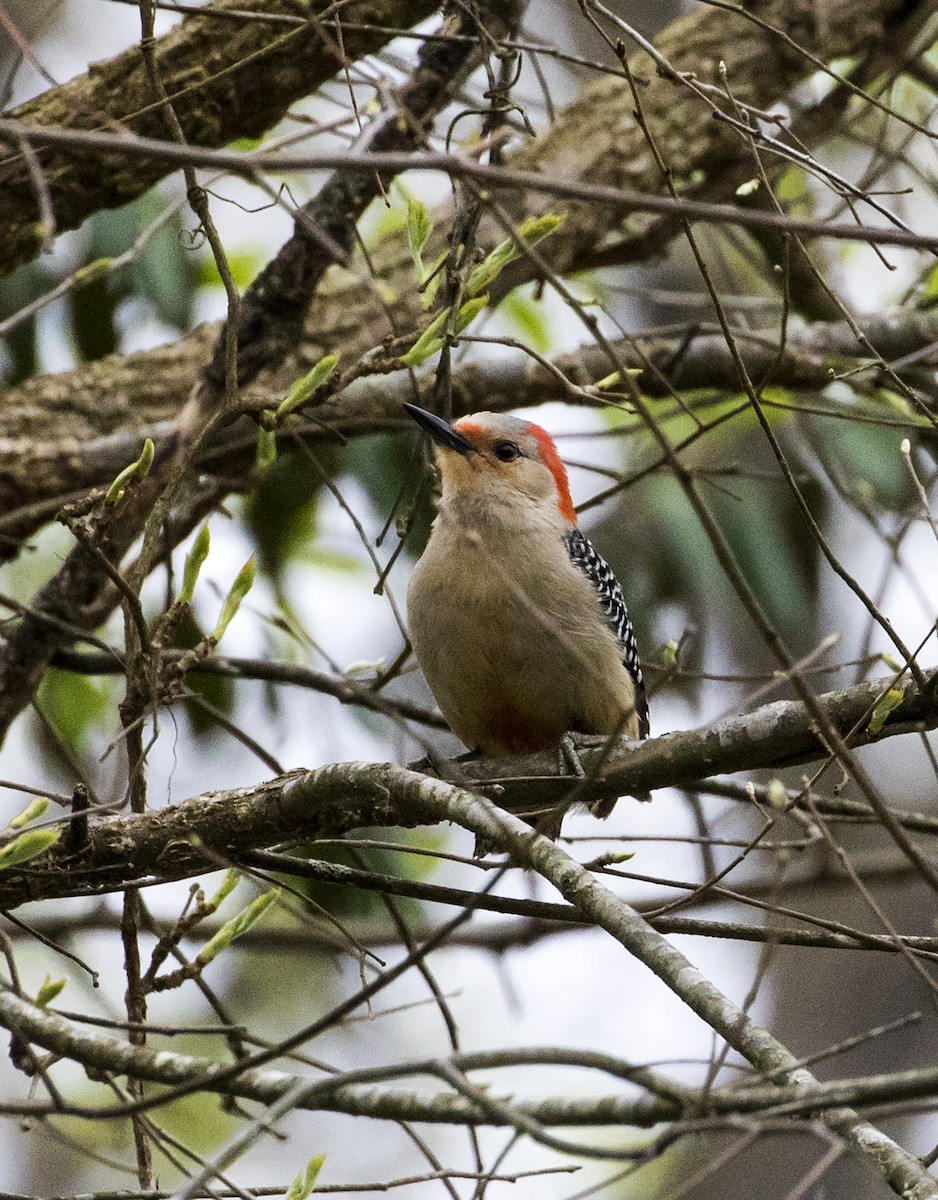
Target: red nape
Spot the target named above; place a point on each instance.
(551, 460)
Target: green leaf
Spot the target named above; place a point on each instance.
(93, 272)
(669, 655)
(133, 474)
(414, 358)
(266, 454)
(791, 189)
(283, 513)
(233, 929)
(194, 560)
(230, 881)
(380, 221)
(304, 388)
(613, 380)
(304, 1183)
(166, 271)
(931, 283)
(491, 267)
(243, 583)
(92, 316)
(332, 560)
(887, 704)
(31, 812)
(869, 464)
(244, 266)
(527, 314)
(419, 228)
(28, 845)
(73, 705)
(532, 231)
(781, 565)
(535, 229)
(428, 343)
(49, 990)
(468, 313)
(101, 286)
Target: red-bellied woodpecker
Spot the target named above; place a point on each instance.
(519, 625)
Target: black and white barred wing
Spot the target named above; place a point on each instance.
(584, 555)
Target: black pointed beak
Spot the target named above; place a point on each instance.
(440, 431)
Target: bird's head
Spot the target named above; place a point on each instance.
(499, 465)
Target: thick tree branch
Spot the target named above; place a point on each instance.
(600, 140)
(103, 1053)
(226, 78)
(83, 441)
(776, 735)
(187, 839)
(596, 140)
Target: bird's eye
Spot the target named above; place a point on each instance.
(506, 451)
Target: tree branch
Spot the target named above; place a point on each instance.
(596, 140)
(776, 735)
(83, 443)
(672, 1101)
(187, 839)
(227, 78)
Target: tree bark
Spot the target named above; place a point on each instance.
(182, 840)
(91, 426)
(227, 77)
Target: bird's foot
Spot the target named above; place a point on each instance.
(570, 763)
